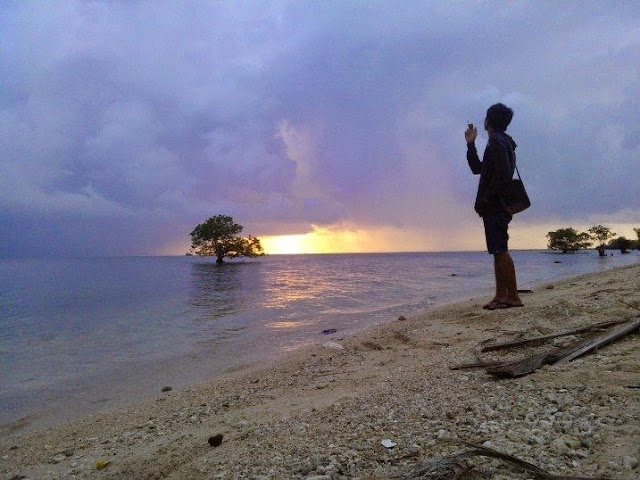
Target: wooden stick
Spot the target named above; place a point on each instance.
(465, 366)
(539, 472)
(530, 364)
(525, 341)
(628, 304)
(602, 340)
(446, 467)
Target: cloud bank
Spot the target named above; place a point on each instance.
(124, 124)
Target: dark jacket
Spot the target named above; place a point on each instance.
(496, 168)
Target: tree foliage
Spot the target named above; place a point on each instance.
(219, 236)
(623, 244)
(601, 234)
(568, 240)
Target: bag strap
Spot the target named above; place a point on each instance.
(512, 154)
(518, 172)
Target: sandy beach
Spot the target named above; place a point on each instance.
(323, 412)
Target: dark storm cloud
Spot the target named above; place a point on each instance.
(122, 124)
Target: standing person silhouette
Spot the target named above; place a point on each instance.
(496, 168)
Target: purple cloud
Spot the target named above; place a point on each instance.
(122, 125)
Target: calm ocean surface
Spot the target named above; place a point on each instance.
(80, 335)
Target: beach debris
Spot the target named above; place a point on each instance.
(372, 345)
(456, 466)
(216, 440)
(333, 346)
(525, 290)
(575, 349)
(58, 458)
(602, 340)
(402, 318)
(629, 462)
(387, 443)
(557, 261)
(444, 468)
(309, 466)
(550, 287)
(167, 389)
(533, 340)
(565, 443)
(329, 331)
(572, 351)
(100, 464)
(628, 304)
(401, 336)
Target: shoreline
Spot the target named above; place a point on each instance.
(117, 378)
(330, 408)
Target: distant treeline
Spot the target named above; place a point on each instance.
(622, 242)
(569, 240)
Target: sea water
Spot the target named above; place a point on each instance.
(81, 335)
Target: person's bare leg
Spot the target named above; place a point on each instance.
(500, 289)
(506, 284)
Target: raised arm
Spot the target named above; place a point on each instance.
(472, 157)
(470, 135)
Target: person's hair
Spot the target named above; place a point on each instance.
(499, 117)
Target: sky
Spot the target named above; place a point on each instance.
(319, 126)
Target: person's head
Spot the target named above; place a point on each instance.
(498, 117)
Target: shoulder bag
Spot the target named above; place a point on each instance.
(514, 197)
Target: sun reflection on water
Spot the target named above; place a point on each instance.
(286, 325)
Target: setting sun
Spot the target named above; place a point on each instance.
(285, 244)
(319, 240)
(345, 240)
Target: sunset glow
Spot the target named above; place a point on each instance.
(347, 240)
(317, 241)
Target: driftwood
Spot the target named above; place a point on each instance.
(465, 366)
(628, 304)
(455, 466)
(527, 365)
(533, 340)
(603, 340)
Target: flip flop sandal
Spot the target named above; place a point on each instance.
(507, 305)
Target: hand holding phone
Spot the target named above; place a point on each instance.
(470, 133)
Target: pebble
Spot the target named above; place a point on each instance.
(216, 440)
(629, 462)
(565, 443)
(58, 458)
